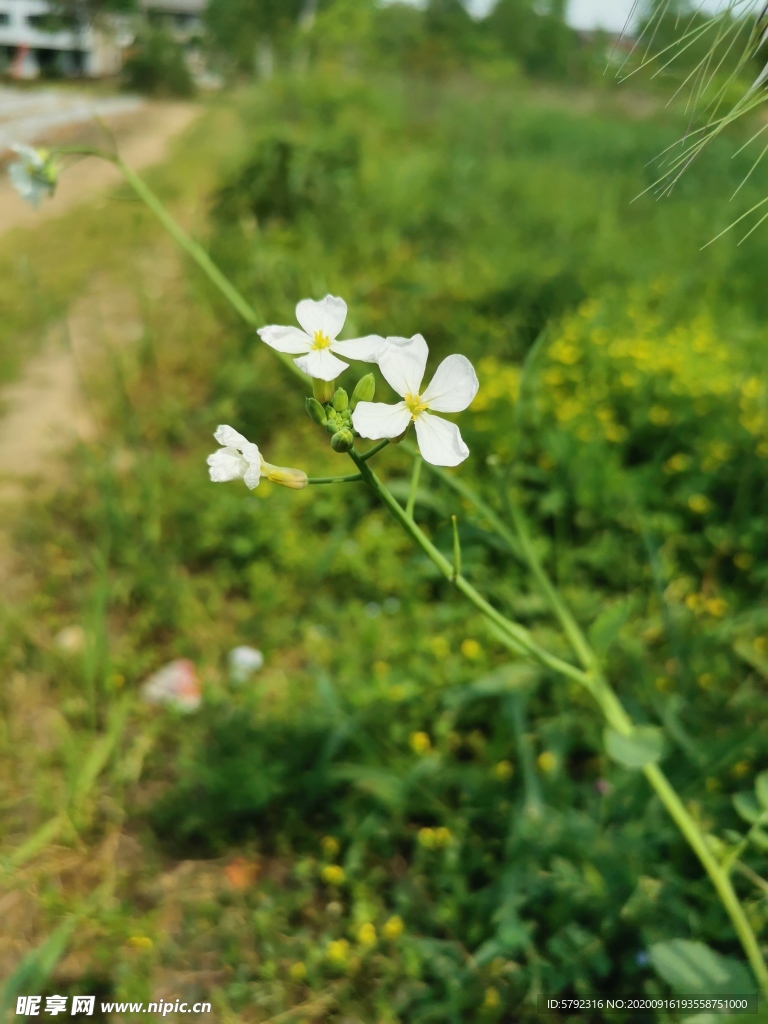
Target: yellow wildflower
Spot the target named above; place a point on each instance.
(337, 952)
(547, 761)
(366, 934)
(504, 770)
(420, 742)
(699, 503)
(492, 999)
(298, 971)
(471, 649)
(330, 846)
(393, 928)
(332, 874)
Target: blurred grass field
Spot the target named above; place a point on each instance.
(392, 821)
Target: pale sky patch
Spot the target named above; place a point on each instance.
(590, 14)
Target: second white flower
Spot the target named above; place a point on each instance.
(452, 389)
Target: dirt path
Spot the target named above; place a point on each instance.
(46, 409)
(143, 138)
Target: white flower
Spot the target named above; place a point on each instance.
(243, 662)
(34, 176)
(176, 684)
(240, 459)
(452, 389)
(322, 323)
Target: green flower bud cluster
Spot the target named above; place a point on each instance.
(334, 411)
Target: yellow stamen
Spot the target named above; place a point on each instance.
(415, 404)
(321, 340)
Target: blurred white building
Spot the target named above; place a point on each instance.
(36, 40)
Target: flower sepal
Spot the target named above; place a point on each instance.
(323, 390)
(296, 479)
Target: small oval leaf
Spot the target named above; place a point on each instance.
(644, 746)
(691, 967)
(607, 626)
(761, 789)
(747, 807)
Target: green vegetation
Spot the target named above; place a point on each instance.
(393, 821)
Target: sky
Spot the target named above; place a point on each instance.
(609, 14)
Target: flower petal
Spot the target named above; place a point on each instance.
(403, 362)
(28, 153)
(226, 464)
(367, 349)
(440, 442)
(252, 475)
(286, 339)
(375, 420)
(228, 437)
(322, 364)
(453, 387)
(327, 316)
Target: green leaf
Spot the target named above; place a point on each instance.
(605, 629)
(34, 971)
(691, 968)
(761, 789)
(645, 745)
(747, 807)
(385, 786)
(759, 837)
(510, 678)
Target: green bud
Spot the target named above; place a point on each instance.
(364, 391)
(340, 400)
(343, 440)
(316, 412)
(323, 390)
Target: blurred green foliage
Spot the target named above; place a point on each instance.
(441, 834)
(156, 66)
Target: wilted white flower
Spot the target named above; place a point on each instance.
(243, 662)
(240, 459)
(322, 323)
(452, 389)
(71, 639)
(175, 685)
(34, 175)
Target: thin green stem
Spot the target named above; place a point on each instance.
(417, 463)
(354, 478)
(722, 883)
(517, 638)
(517, 632)
(199, 255)
(373, 451)
(456, 550)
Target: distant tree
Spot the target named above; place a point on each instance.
(537, 35)
(239, 27)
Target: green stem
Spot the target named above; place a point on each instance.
(414, 486)
(373, 451)
(334, 479)
(199, 255)
(514, 634)
(517, 633)
(518, 638)
(722, 883)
